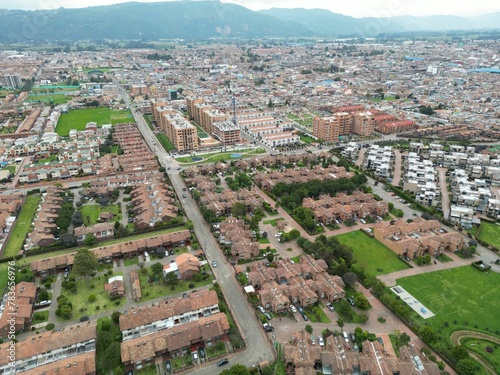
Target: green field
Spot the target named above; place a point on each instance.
(78, 118)
(165, 142)
(462, 298)
(22, 226)
(55, 98)
(91, 213)
(490, 232)
(376, 258)
(218, 156)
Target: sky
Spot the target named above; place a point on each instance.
(354, 8)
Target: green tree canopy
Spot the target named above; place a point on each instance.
(85, 264)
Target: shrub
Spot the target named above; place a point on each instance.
(50, 326)
(70, 285)
(64, 284)
(97, 307)
(115, 316)
(191, 286)
(92, 298)
(47, 285)
(73, 290)
(105, 325)
(110, 272)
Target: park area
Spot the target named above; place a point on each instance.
(490, 233)
(216, 157)
(90, 213)
(462, 298)
(78, 118)
(370, 254)
(22, 226)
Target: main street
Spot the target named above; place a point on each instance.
(259, 347)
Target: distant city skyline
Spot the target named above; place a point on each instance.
(355, 8)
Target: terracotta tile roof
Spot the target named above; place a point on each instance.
(81, 364)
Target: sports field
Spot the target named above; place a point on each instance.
(461, 298)
(78, 118)
(373, 256)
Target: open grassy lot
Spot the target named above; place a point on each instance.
(492, 355)
(165, 142)
(490, 232)
(462, 298)
(40, 317)
(54, 98)
(376, 258)
(159, 288)
(78, 118)
(80, 299)
(218, 156)
(90, 213)
(22, 226)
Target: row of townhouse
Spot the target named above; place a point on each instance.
(20, 307)
(33, 173)
(301, 284)
(337, 357)
(380, 159)
(44, 224)
(222, 203)
(171, 328)
(328, 210)
(68, 351)
(106, 254)
(421, 179)
(267, 181)
(418, 238)
(236, 234)
(152, 203)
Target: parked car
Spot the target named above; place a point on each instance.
(261, 309)
(195, 356)
(305, 317)
(352, 336)
(168, 366)
(321, 342)
(330, 307)
(362, 221)
(222, 362)
(407, 258)
(202, 352)
(172, 252)
(214, 263)
(292, 307)
(183, 195)
(351, 301)
(268, 316)
(268, 327)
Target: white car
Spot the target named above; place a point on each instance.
(321, 341)
(362, 221)
(292, 307)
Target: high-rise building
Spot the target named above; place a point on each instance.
(363, 123)
(332, 127)
(227, 132)
(13, 81)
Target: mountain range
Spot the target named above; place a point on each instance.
(210, 19)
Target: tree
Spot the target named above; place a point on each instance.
(308, 328)
(239, 209)
(171, 278)
(428, 335)
(340, 322)
(68, 240)
(349, 278)
(89, 239)
(238, 369)
(270, 257)
(460, 352)
(466, 366)
(157, 269)
(85, 264)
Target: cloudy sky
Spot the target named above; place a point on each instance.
(355, 8)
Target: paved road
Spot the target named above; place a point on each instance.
(445, 199)
(257, 343)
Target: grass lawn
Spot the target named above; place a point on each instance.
(376, 258)
(55, 98)
(462, 297)
(490, 232)
(307, 139)
(149, 119)
(10, 168)
(52, 158)
(264, 240)
(91, 212)
(165, 142)
(80, 302)
(272, 221)
(159, 288)
(22, 226)
(40, 317)
(216, 350)
(78, 118)
(296, 259)
(218, 156)
(316, 315)
(479, 346)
